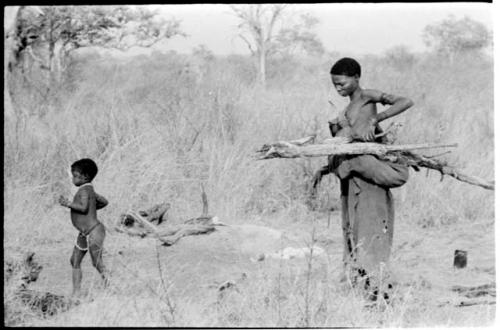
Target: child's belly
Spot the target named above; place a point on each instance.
(83, 222)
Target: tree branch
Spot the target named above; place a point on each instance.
(395, 153)
(336, 146)
(248, 44)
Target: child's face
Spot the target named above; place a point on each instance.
(79, 178)
(345, 85)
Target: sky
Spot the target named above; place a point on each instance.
(351, 29)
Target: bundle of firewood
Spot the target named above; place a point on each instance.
(404, 154)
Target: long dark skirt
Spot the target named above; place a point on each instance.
(368, 211)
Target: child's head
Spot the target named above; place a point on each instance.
(83, 171)
(345, 74)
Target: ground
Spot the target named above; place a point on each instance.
(216, 279)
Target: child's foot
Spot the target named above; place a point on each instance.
(342, 277)
(105, 283)
(76, 297)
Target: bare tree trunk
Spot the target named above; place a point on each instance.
(258, 24)
(262, 65)
(10, 20)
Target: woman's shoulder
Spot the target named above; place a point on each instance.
(371, 94)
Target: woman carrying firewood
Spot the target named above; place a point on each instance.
(365, 180)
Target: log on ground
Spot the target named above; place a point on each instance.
(169, 234)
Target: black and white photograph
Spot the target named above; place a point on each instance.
(276, 165)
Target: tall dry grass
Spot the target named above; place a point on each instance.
(158, 126)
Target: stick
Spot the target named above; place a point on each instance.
(186, 231)
(298, 142)
(131, 232)
(148, 225)
(472, 303)
(172, 233)
(342, 146)
(156, 213)
(412, 159)
(204, 201)
(332, 147)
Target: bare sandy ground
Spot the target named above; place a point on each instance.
(198, 267)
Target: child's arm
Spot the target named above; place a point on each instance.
(80, 203)
(398, 104)
(101, 202)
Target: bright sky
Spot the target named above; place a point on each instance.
(346, 28)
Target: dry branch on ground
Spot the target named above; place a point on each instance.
(167, 233)
(157, 213)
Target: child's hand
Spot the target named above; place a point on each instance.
(64, 201)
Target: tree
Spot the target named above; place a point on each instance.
(258, 30)
(50, 37)
(202, 52)
(9, 47)
(400, 57)
(12, 46)
(452, 36)
(299, 38)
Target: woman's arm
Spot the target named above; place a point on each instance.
(398, 104)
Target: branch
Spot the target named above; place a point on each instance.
(38, 59)
(170, 233)
(252, 51)
(277, 11)
(336, 146)
(412, 159)
(395, 153)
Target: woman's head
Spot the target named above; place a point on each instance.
(346, 67)
(345, 74)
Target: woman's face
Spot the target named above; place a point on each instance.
(345, 85)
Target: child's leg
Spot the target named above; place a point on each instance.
(76, 260)
(96, 243)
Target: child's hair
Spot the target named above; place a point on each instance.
(85, 166)
(346, 66)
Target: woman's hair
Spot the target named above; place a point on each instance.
(346, 66)
(85, 166)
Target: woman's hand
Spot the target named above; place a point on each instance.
(366, 132)
(336, 125)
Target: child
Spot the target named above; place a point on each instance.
(365, 181)
(84, 217)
